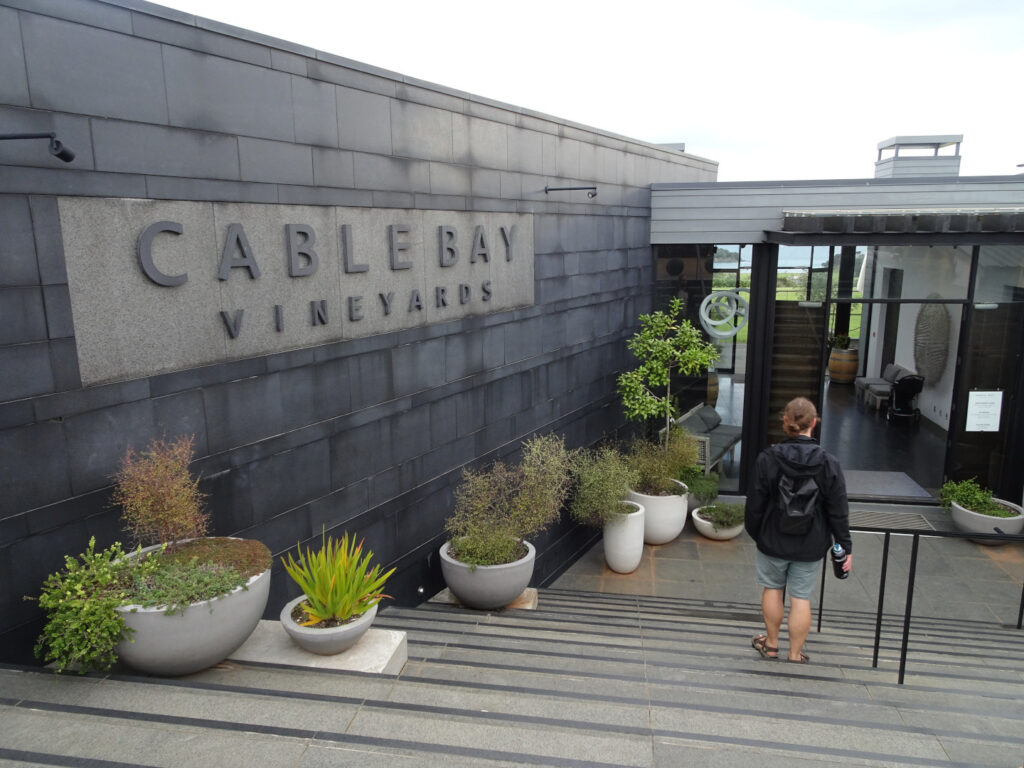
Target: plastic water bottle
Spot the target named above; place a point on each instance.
(838, 558)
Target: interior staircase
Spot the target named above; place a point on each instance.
(796, 359)
(587, 679)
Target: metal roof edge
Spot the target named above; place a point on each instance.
(915, 180)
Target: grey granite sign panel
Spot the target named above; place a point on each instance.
(160, 286)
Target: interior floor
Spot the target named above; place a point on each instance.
(861, 438)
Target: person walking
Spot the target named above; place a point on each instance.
(788, 562)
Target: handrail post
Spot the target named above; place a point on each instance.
(910, 603)
(821, 596)
(881, 599)
(1020, 613)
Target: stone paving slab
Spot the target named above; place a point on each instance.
(379, 650)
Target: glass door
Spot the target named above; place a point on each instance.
(985, 435)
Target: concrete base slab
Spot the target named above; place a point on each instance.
(527, 601)
(379, 650)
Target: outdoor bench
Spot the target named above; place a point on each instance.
(714, 439)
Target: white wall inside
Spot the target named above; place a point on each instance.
(928, 273)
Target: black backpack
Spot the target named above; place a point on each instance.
(799, 503)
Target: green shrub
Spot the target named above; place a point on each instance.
(497, 507)
(703, 488)
(602, 480)
(969, 495)
(682, 451)
(82, 628)
(195, 571)
(656, 465)
(722, 515)
(839, 341)
(337, 580)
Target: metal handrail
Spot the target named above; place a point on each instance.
(911, 577)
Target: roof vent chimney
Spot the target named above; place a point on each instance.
(916, 156)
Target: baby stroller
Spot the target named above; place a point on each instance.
(903, 398)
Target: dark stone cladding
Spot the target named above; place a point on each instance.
(368, 435)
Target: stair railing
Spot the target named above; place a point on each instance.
(911, 577)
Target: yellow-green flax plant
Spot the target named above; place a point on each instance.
(337, 580)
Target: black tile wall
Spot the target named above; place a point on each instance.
(368, 435)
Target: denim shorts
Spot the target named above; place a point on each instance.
(797, 577)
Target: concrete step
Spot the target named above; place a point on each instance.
(585, 679)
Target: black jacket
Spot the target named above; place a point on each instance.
(798, 457)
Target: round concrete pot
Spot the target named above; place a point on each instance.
(974, 522)
(705, 528)
(202, 635)
(325, 641)
(665, 516)
(624, 539)
(487, 586)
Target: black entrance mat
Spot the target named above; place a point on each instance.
(864, 518)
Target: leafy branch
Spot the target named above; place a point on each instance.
(666, 343)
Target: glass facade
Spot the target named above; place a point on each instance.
(908, 311)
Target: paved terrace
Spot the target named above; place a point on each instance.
(652, 669)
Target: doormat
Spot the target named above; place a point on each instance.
(863, 518)
(865, 483)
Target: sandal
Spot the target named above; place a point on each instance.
(804, 659)
(760, 644)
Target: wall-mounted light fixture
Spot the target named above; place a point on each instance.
(591, 193)
(57, 148)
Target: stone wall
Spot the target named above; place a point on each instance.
(367, 434)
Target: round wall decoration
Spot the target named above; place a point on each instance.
(931, 341)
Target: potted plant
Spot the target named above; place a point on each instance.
(842, 359)
(487, 562)
(170, 608)
(719, 520)
(657, 489)
(665, 344)
(602, 481)
(975, 510)
(340, 593)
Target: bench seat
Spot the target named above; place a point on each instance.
(714, 439)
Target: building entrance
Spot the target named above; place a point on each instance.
(928, 341)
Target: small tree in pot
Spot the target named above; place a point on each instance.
(496, 510)
(665, 344)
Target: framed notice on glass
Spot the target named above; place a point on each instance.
(983, 410)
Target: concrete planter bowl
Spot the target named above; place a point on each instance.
(708, 530)
(202, 635)
(974, 522)
(665, 516)
(487, 587)
(325, 641)
(624, 539)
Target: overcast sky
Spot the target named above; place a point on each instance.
(795, 89)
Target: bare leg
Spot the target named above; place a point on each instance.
(773, 608)
(799, 625)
